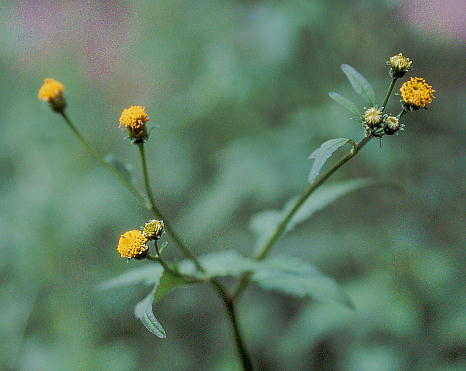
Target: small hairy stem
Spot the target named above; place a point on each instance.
(232, 316)
(267, 246)
(389, 92)
(157, 212)
(124, 180)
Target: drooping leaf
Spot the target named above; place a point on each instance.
(359, 83)
(216, 264)
(124, 168)
(324, 196)
(295, 277)
(168, 282)
(143, 311)
(147, 275)
(345, 102)
(322, 154)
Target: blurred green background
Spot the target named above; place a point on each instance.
(239, 92)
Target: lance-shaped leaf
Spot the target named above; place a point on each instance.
(359, 83)
(221, 263)
(143, 311)
(265, 223)
(295, 277)
(322, 154)
(345, 102)
(324, 196)
(147, 275)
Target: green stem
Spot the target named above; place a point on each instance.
(281, 228)
(389, 92)
(152, 206)
(124, 180)
(228, 300)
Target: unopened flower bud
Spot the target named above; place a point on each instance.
(392, 125)
(399, 65)
(373, 117)
(153, 229)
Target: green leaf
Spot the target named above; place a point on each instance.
(143, 311)
(124, 168)
(265, 223)
(345, 102)
(359, 83)
(168, 282)
(295, 277)
(147, 275)
(222, 263)
(322, 154)
(324, 196)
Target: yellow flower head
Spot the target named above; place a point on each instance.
(153, 229)
(132, 244)
(134, 119)
(416, 93)
(399, 65)
(373, 116)
(51, 92)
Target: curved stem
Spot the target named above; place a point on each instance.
(389, 92)
(231, 311)
(267, 246)
(152, 206)
(124, 180)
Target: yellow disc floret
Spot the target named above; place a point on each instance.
(51, 89)
(132, 244)
(51, 92)
(416, 93)
(134, 119)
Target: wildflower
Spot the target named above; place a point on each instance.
(134, 119)
(51, 92)
(416, 93)
(153, 229)
(399, 65)
(392, 125)
(373, 117)
(132, 244)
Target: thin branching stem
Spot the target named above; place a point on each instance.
(117, 173)
(186, 251)
(232, 315)
(389, 92)
(264, 250)
(225, 296)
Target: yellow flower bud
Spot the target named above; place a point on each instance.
(134, 120)
(51, 92)
(132, 244)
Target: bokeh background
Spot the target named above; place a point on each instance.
(238, 90)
